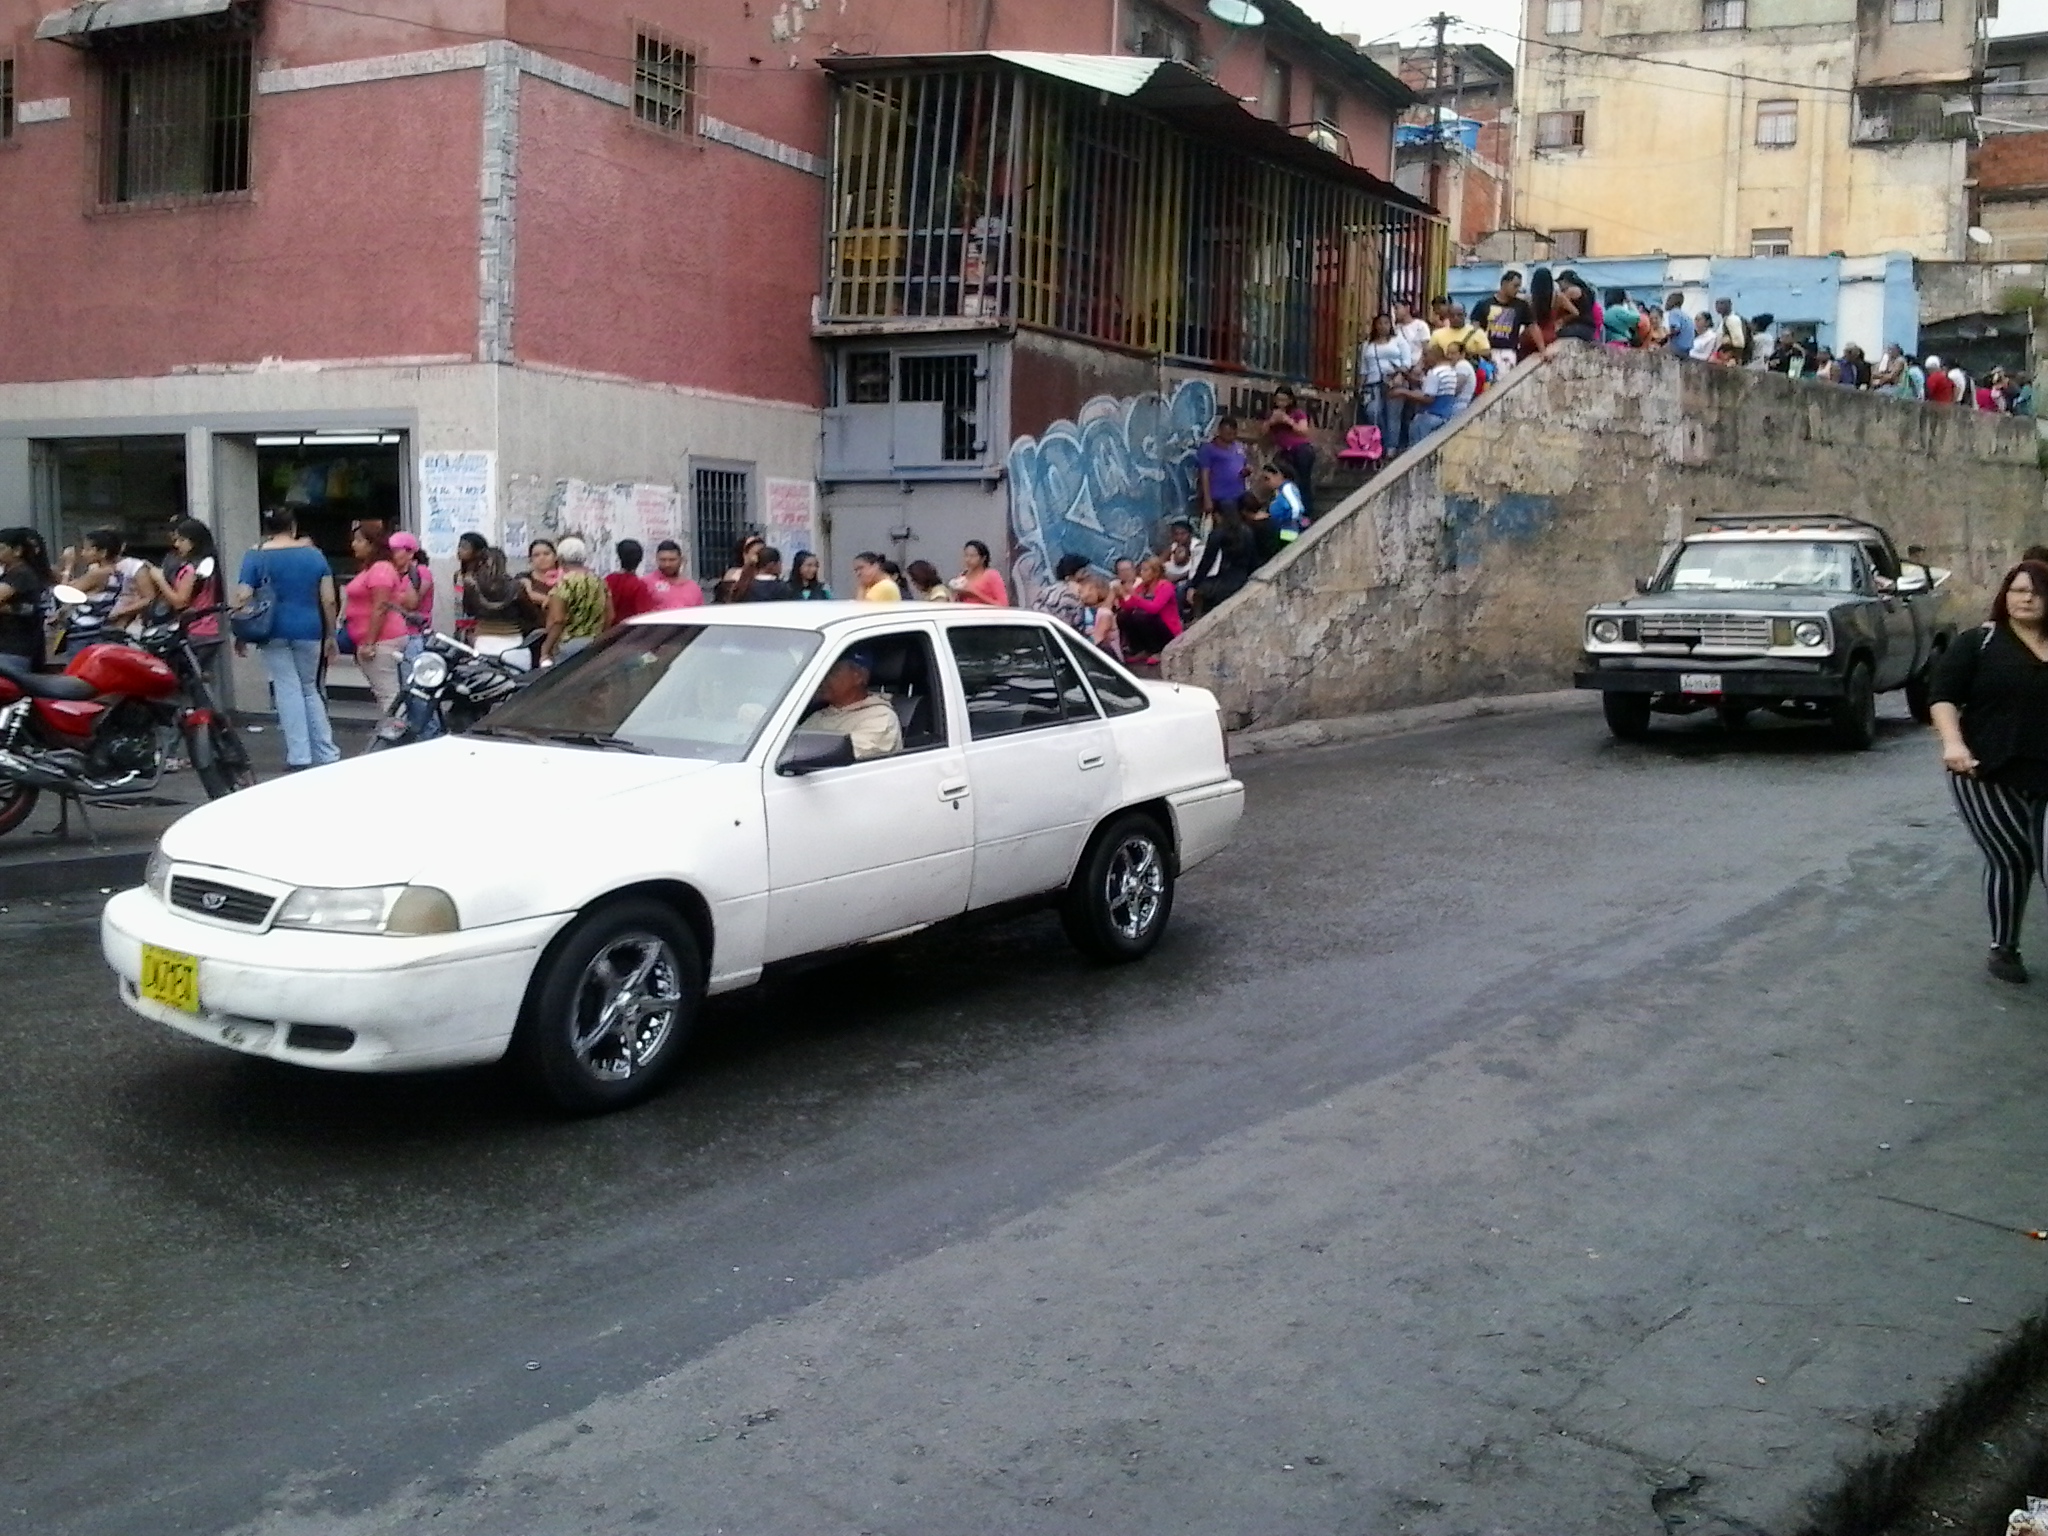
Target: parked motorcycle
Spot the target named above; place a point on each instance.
(98, 730)
(454, 684)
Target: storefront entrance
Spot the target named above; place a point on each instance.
(334, 480)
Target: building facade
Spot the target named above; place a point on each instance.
(1748, 127)
(491, 264)
(1454, 147)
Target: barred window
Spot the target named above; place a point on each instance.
(6, 96)
(1916, 10)
(174, 122)
(664, 83)
(1777, 122)
(1770, 242)
(719, 506)
(1562, 17)
(1560, 130)
(1724, 16)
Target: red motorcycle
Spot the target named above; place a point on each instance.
(98, 730)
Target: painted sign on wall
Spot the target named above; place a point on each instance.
(1105, 484)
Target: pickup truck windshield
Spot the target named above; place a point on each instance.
(1764, 565)
(678, 690)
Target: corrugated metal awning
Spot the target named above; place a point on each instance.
(81, 23)
(1192, 102)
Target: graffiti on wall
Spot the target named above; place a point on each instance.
(1102, 485)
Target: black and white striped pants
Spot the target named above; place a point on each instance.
(2007, 824)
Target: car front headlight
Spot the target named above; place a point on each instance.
(1810, 632)
(156, 874)
(1606, 631)
(406, 910)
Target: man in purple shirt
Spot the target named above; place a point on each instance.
(1221, 465)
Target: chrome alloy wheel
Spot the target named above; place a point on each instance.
(1134, 887)
(625, 1006)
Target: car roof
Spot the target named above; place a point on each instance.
(1819, 530)
(820, 617)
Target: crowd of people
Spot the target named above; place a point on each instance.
(1416, 374)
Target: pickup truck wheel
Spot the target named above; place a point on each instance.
(1855, 714)
(1122, 895)
(607, 1015)
(1628, 715)
(1920, 693)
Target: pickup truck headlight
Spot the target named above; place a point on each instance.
(1810, 632)
(392, 909)
(1606, 631)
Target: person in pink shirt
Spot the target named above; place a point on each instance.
(1149, 615)
(372, 615)
(668, 587)
(979, 581)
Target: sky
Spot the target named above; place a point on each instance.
(1406, 21)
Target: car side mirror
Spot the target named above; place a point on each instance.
(1913, 579)
(1642, 583)
(70, 597)
(809, 751)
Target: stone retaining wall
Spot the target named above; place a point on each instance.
(1466, 567)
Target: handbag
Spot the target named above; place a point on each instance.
(254, 622)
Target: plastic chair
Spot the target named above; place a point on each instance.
(1362, 445)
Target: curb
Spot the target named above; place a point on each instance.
(1392, 722)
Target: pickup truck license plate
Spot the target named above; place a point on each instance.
(1699, 682)
(170, 978)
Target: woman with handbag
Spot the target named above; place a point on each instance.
(285, 607)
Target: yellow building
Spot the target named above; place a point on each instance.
(1747, 127)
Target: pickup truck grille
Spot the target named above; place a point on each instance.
(228, 903)
(1744, 630)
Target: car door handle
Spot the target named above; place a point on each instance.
(957, 790)
(1091, 760)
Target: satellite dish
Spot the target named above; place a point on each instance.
(1979, 235)
(1237, 13)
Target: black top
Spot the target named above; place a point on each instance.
(21, 618)
(2002, 689)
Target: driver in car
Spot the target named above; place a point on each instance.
(850, 710)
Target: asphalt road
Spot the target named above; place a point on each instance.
(1497, 1143)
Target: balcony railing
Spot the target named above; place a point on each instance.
(987, 192)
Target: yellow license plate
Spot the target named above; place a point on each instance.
(170, 978)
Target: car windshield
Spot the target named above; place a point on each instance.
(679, 690)
(1764, 565)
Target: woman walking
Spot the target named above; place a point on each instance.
(301, 639)
(1991, 710)
(372, 616)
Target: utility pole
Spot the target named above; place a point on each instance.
(1436, 112)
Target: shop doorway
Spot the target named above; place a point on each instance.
(334, 480)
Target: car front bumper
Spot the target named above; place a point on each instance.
(1762, 677)
(408, 1003)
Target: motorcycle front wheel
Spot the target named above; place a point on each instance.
(229, 769)
(17, 804)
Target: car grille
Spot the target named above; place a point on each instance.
(228, 903)
(1750, 631)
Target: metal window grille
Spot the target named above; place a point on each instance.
(175, 121)
(867, 378)
(1560, 130)
(1777, 122)
(1563, 16)
(6, 96)
(1725, 15)
(951, 380)
(1567, 243)
(664, 83)
(1770, 242)
(1898, 116)
(718, 499)
(991, 194)
(1916, 10)
(1153, 32)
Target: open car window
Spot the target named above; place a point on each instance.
(678, 690)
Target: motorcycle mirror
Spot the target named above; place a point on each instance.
(204, 568)
(70, 597)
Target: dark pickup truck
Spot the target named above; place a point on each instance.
(1806, 616)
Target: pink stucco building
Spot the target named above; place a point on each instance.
(527, 264)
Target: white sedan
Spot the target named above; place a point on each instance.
(698, 797)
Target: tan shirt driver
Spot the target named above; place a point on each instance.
(871, 723)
